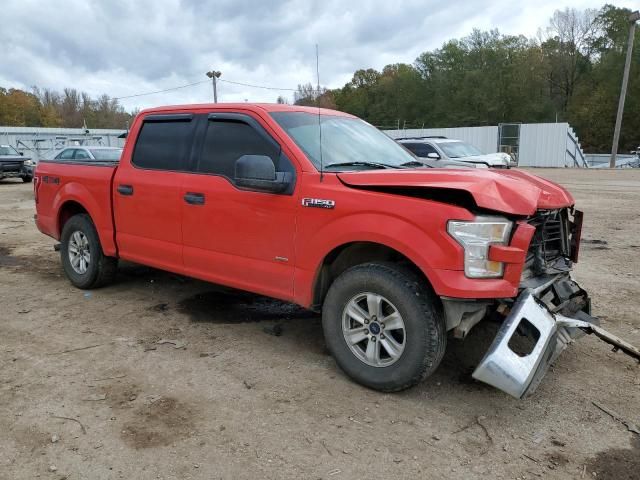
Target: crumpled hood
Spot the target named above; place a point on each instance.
(508, 191)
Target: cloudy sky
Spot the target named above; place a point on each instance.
(124, 47)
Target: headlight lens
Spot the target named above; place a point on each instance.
(476, 237)
(29, 163)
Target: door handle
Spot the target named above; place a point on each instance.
(194, 198)
(125, 189)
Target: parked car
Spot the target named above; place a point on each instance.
(82, 153)
(442, 151)
(394, 256)
(13, 164)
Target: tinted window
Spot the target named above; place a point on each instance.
(81, 155)
(226, 141)
(66, 154)
(420, 149)
(163, 145)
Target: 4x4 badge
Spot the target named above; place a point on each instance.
(318, 203)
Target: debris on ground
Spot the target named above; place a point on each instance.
(632, 427)
(175, 343)
(275, 330)
(95, 398)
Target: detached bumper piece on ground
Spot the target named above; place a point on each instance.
(551, 316)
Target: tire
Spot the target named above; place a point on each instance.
(27, 179)
(99, 270)
(423, 338)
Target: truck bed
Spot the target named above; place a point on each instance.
(62, 186)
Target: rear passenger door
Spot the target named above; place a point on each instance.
(233, 235)
(147, 195)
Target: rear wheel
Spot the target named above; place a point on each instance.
(383, 327)
(83, 261)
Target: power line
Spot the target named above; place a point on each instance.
(259, 86)
(264, 87)
(162, 91)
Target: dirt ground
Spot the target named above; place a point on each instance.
(159, 376)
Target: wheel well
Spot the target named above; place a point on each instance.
(350, 255)
(68, 210)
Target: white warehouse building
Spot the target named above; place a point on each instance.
(531, 144)
(40, 142)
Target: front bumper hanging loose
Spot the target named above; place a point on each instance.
(520, 374)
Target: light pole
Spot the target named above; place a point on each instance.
(213, 75)
(633, 18)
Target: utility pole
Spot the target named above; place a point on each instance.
(633, 18)
(213, 75)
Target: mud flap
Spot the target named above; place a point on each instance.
(520, 374)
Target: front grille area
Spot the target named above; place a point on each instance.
(10, 166)
(550, 248)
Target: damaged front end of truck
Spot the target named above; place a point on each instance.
(550, 312)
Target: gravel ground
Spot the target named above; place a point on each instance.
(159, 376)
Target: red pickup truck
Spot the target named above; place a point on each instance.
(319, 208)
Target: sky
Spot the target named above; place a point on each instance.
(126, 47)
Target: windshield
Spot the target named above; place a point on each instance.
(344, 140)
(8, 150)
(111, 154)
(459, 149)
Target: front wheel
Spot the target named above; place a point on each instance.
(82, 258)
(27, 179)
(382, 325)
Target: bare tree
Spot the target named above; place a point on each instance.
(567, 43)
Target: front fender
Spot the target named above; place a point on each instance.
(429, 252)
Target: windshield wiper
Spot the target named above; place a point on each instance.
(415, 163)
(361, 164)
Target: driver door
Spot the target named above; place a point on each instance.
(231, 235)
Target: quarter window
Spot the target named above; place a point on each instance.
(164, 145)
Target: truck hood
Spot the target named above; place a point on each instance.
(12, 158)
(507, 191)
(491, 159)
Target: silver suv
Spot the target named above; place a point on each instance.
(443, 151)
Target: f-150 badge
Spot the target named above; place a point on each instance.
(318, 203)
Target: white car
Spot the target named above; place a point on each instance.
(78, 154)
(442, 149)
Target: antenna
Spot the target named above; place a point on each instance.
(319, 121)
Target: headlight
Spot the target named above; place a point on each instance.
(29, 163)
(476, 237)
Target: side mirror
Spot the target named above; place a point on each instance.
(257, 172)
(433, 155)
(21, 154)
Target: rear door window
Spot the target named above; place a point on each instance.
(81, 155)
(164, 143)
